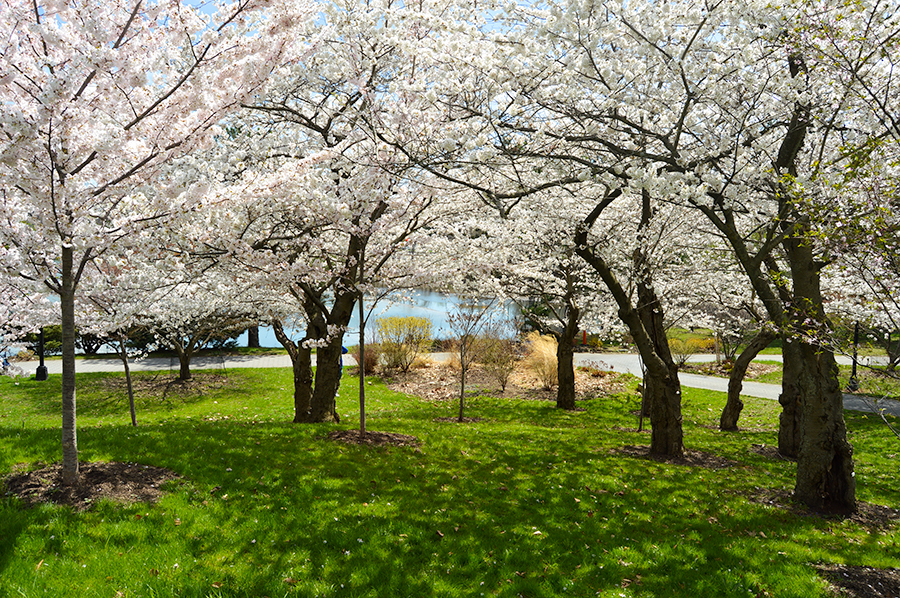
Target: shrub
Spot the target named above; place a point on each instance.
(373, 356)
(499, 358)
(683, 349)
(541, 358)
(402, 339)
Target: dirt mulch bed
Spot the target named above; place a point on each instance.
(770, 452)
(440, 382)
(755, 370)
(119, 482)
(862, 582)
(373, 438)
(164, 385)
(691, 458)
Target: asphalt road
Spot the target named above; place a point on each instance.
(618, 362)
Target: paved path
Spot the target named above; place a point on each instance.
(619, 362)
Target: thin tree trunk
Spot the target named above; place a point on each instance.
(362, 359)
(69, 428)
(123, 355)
(733, 406)
(463, 366)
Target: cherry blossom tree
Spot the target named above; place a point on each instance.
(328, 211)
(718, 107)
(98, 99)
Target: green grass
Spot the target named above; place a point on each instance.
(531, 501)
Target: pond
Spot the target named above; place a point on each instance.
(437, 307)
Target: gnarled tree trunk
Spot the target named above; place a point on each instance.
(825, 478)
(733, 406)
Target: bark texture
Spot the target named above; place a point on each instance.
(825, 478)
(825, 473)
(789, 424)
(565, 372)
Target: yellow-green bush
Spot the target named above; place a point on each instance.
(402, 339)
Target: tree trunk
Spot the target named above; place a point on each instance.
(825, 477)
(67, 309)
(666, 433)
(789, 424)
(463, 367)
(123, 355)
(733, 406)
(301, 363)
(661, 381)
(303, 383)
(645, 323)
(328, 380)
(565, 369)
(565, 366)
(253, 337)
(184, 366)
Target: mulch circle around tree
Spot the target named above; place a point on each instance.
(862, 582)
(691, 458)
(118, 482)
(373, 438)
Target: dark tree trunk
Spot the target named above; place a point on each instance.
(301, 363)
(328, 359)
(565, 371)
(69, 427)
(464, 361)
(565, 363)
(825, 477)
(666, 433)
(303, 383)
(645, 323)
(328, 379)
(184, 366)
(789, 424)
(253, 337)
(733, 406)
(661, 383)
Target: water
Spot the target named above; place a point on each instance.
(437, 307)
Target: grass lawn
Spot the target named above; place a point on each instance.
(528, 501)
